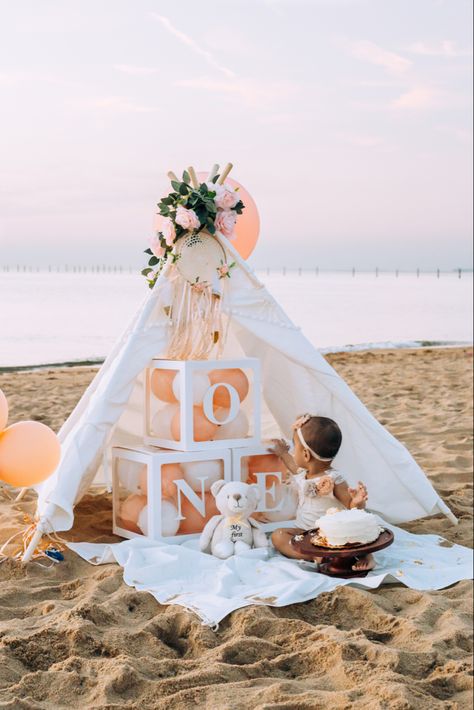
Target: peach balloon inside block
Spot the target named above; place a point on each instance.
(234, 377)
(193, 520)
(203, 429)
(130, 510)
(162, 385)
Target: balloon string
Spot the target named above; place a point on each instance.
(47, 541)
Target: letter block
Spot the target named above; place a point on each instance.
(165, 495)
(278, 502)
(198, 405)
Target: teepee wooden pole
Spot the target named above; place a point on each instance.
(193, 176)
(225, 173)
(214, 171)
(21, 494)
(34, 542)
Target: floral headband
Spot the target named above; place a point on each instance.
(299, 423)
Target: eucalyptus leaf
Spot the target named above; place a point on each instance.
(186, 177)
(175, 185)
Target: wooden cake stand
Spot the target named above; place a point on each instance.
(339, 560)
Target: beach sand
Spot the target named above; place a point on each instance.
(76, 636)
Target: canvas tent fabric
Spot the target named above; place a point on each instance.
(295, 378)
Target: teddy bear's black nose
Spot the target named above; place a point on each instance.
(237, 496)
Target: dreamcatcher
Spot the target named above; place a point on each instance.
(198, 291)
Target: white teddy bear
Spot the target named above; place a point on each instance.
(232, 532)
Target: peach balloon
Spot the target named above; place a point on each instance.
(231, 376)
(29, 453)
(265, 463)
(203, 429)
(130, 510)
(247, 227)
(3, 411)
(162, 385)
(170, 472)
(193, 521)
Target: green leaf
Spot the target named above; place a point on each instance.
(145, 272)
(215, 178)
(186, 177)
(167, 200)
(153, 261)
(175, 185)
(148, 251)
(210, 228)
(183, 189)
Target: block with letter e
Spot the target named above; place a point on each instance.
(278, 501)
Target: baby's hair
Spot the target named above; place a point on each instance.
(323, 436)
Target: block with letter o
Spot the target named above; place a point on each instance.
(197, 405)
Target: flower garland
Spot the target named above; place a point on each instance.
(189, 209)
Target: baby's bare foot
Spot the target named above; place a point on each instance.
(365, 564)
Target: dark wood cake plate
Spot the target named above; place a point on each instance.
(339, 560)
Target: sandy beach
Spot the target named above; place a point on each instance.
(74, 635)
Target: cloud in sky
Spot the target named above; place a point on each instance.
(420, 97)
(252, 92)
(374, 54)
(119, 104)
(192, 44)
(134, 70)
(445, 48)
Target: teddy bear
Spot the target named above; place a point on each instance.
(232, 532)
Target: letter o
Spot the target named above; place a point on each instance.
(208, 403)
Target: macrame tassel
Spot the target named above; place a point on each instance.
(197, 327)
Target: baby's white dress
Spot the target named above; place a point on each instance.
(311, 505)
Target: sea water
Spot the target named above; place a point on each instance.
(63, 317)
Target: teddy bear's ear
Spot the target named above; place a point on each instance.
(216, 487)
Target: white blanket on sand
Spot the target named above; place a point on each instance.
(212, 588)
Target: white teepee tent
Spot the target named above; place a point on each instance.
(295, 379)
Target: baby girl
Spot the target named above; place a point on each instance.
(318, 484)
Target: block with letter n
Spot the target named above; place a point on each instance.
(162, 494)
(196, 405)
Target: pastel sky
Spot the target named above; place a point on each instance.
(348, 121)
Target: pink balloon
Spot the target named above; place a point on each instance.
(247, 227)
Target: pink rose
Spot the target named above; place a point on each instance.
(168, 231)
(187, 219)
(226, 198)
(225, 223)
(156, 247)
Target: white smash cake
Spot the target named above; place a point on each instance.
(343, 527)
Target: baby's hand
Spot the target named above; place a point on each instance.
(279, 447)
(325, 486)
(358, 496)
